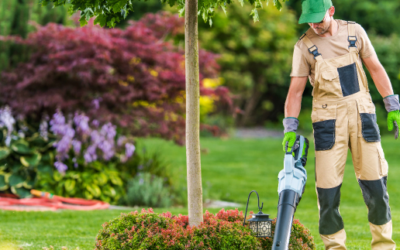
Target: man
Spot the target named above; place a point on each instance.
(330, 54)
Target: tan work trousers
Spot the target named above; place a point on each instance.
(369, 164)
(344, 117)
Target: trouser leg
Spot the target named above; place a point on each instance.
(335, 241)
(329, 170)
(382, 236)
(371, 171)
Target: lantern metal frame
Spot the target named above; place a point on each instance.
(260, 224)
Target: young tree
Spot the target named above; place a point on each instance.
(109, 12)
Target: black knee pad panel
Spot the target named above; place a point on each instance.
(377, 200)
(330, 221)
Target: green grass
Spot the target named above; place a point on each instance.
(230, 170)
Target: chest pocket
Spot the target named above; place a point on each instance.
(329, 75)
(324, 125)
(349, 79)
(329, 84)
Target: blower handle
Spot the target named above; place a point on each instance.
(287, 146)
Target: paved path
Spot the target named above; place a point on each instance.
(257, 132)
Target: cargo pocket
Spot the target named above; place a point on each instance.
(383, 171)
(369, 128)
(349, 79)
(324, 125)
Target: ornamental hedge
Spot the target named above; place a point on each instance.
(133, 77)
(224, 230)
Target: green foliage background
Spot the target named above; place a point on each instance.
(255, 58)
(140, 8)
(18, 18)
(380, 16)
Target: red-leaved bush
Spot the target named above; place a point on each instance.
(132, 77)
(147, 230)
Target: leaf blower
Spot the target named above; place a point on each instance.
(292, 181)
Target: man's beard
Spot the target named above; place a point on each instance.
(322, 31)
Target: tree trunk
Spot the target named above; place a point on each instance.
(195, 192)
(252, 102)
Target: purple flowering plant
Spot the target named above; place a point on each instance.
(7, 121)
(71, 156)
(86, 141)
(88, 157)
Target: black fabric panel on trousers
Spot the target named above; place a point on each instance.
(349, 79)
(330, 221)
(324, 134)
(377, 200)
(370, 129)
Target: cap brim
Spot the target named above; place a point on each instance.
(312, 17)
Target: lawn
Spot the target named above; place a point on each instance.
(231, 168)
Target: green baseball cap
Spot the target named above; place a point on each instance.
(313, 11)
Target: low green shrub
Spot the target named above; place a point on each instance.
(224, 230)
(144, 161)
(150, 181)
(96, 181)
(146, 189)
(300, 237)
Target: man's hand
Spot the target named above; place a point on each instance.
(392, 106)
(290, 139)
(393, 120)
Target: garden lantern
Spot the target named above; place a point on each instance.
(260, 224)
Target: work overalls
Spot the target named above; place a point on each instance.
(344, 117)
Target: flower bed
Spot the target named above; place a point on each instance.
(224, 230)
(77, 157)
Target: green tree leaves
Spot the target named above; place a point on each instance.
(110, 12)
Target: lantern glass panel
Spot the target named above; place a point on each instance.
(264, 229)
(253, 226)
